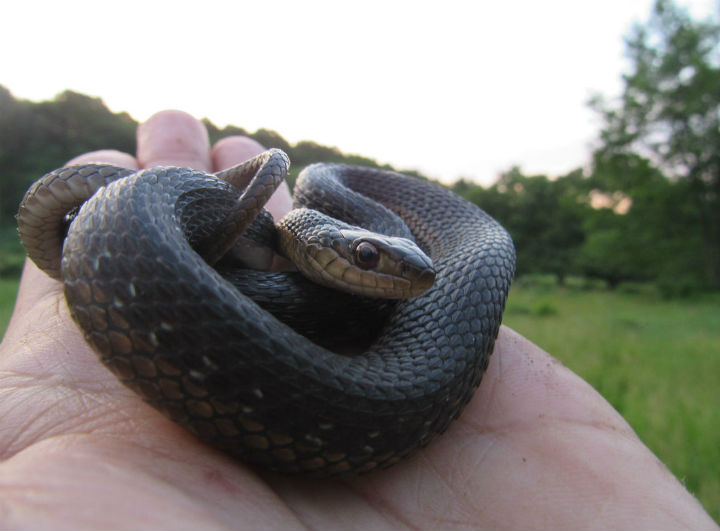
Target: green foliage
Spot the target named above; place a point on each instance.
(669, 113)
(653, 230)
(577, 225)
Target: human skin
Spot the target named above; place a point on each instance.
(536, 447)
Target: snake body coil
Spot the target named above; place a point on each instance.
(173, 329)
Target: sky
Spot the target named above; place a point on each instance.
(453, 89)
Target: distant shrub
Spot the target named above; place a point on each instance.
(545, 309)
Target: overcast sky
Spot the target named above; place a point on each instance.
(452, 89)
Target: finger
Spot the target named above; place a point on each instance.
(236, 149)
(106, 156)
(173, 138)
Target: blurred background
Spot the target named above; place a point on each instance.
(591, 131)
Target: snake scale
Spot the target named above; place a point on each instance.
(199, 350)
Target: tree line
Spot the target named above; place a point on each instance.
(646, 210)
(37, 137)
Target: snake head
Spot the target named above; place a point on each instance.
(378, 261)
(353, 259)
(370, 264)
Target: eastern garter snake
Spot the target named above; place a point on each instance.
(173, 329)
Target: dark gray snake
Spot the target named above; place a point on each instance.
(193, 346)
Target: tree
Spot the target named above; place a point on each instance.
(669, 113)
(647, 231)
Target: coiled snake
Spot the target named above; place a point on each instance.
(196, 348)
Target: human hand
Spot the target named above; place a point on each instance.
(535, 447)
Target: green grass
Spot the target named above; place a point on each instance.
(657, 361)
(8, 292)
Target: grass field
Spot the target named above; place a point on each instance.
(657, 361)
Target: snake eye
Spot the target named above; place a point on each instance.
(366, 255)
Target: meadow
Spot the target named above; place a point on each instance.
(657, 361)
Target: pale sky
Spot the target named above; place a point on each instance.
(452, 89)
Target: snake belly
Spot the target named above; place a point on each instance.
(194, 347)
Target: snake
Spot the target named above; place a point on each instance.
(143, 257)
